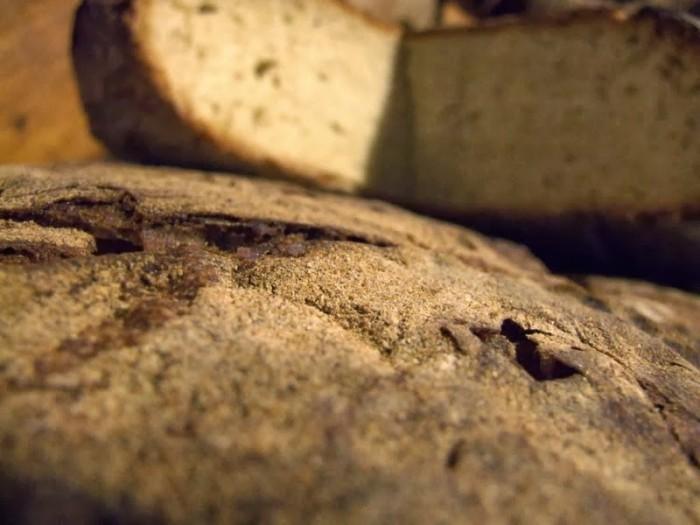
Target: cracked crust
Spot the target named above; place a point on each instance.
(395, 369)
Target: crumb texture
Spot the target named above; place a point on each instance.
(178, 347)
(590, 111)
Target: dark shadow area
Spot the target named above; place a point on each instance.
(45, 502)
(538, 364)
(390, 169)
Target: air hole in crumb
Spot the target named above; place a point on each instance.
(474, 116)
(569, 158)
(675, 62)
(264, 66)
(20, 122)
(337, 128)
(322, 76)
(258, 115)
(454, 455)
(207, 8)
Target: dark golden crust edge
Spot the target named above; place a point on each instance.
(174, 138)
(113, 71)
(678, 23)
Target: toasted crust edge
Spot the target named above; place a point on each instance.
(681, 23)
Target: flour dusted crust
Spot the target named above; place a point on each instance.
(224, 350)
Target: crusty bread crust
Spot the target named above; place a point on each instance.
(119, 84)
(226, 356)
(683, 25)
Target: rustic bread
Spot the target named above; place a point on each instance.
(663, 247)
(234, 351)
(587, 114)
(591, 112)
(163, 81)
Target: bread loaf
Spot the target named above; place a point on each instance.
(591, 112)
(523, 128)
(222, 350)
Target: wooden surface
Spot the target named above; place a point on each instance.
(41, 118)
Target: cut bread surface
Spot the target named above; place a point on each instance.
(281, 85)
(590, 112)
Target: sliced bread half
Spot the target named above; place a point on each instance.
(576, 135)
(287, 87)
(590, 112)
(415, 14)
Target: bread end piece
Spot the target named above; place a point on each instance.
(203, 84)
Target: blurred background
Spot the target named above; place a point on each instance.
(41, 119)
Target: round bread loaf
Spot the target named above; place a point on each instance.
(189, 348)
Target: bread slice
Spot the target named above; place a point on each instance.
(240, 351)
(590, 112)
(291, 87)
